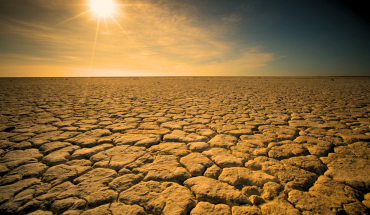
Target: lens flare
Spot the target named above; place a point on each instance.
(102, 7)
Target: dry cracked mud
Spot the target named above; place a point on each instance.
(185, 145)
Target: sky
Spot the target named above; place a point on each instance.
(66, 38)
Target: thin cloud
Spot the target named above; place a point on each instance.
(162, 40)
(233, 18)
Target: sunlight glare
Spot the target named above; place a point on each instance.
(102, 7)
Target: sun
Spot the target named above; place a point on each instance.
(102, 7)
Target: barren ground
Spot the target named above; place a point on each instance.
(185, 145)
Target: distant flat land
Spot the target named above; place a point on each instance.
(185, 145)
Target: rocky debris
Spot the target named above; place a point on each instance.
(159, 198)
(181, 136)
(214, 191)
(145, 140)
(208, 208)
(223, 141)
(241, 176)
(223, 158)
(178, 149)
(196, 163)
(117, 157)
(325, 197)
(164, 168)
(354, 172)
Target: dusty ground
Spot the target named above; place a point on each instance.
(242, 145)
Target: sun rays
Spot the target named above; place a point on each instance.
(101, 9)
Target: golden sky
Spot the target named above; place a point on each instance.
(145, 38)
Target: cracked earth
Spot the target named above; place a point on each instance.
(185, 145)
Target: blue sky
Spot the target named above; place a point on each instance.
(188, 37)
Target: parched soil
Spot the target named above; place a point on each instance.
(185, 145)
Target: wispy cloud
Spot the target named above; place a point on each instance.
(234, 17)
(161, 39)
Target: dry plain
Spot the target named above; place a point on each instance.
(185, 145)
